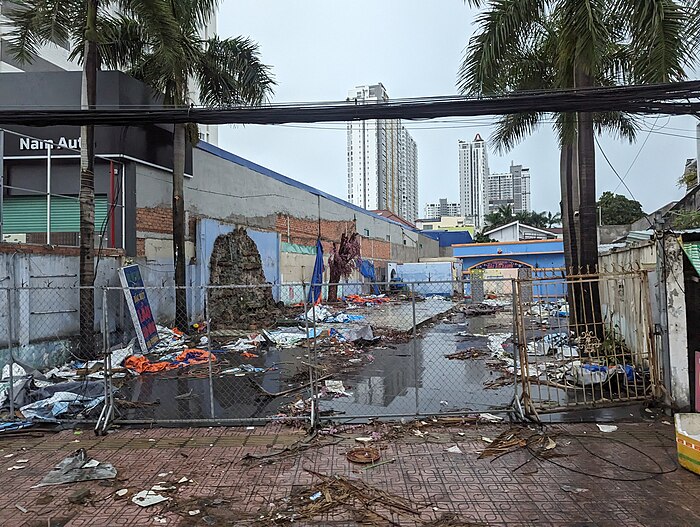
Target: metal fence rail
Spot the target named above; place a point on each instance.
(574, 355)
(262, 352)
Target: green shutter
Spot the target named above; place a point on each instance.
(23, 214)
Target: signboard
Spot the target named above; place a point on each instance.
(501, 264)
(140, 309)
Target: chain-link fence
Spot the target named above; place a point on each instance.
(253, 353)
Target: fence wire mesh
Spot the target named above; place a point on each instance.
(320, 352)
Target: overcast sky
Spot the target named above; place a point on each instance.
(319, 49)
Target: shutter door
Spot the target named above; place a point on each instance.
(24, 214)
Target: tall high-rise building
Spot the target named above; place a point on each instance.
(55, 57)
(510, 188)
(473, 180)
(382, 160)
(441, 208)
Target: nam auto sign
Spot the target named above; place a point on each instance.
(34, 145)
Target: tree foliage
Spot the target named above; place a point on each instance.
(616, 209)
(504, 215)
(687, 219)
(342, 261)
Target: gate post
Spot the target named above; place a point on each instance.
(414, 341)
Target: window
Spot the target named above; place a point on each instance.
(388, 237)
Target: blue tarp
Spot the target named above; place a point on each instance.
(317, 276)
(367, 270)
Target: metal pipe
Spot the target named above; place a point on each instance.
(11, 389)
(414, 346)
(48, 192)
(211, 377)
(2, 183)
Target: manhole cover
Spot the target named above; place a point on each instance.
(363, 454)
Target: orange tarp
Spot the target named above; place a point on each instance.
(188, 357)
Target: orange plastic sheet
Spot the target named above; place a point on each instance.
(188, 357)
(358, 299)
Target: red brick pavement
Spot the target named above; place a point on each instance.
(505, 491)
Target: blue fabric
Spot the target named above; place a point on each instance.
(317, 276)
(367, 270)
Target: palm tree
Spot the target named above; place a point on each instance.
(551, 44)
(503, 215)
(35, 23)
(553, 219)
(227, 72)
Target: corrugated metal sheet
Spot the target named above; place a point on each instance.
(23, 214)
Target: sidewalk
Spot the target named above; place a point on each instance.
(420, 483)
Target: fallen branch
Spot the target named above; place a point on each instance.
(285, 392)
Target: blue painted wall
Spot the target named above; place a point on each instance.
(544, 254)
(449, 238)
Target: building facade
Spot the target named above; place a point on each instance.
(54, 56)
(473, 180)
(441, 208)
(382, 160)
(510, 188)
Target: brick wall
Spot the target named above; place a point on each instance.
(305, 232)
(27, 248)
(155, 219)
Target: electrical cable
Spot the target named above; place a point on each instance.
(648, 474)
(681, 98)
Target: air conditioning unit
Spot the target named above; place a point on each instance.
(14, 238)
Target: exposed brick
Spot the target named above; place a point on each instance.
(140, 247)
(27, 248)
(155, 219)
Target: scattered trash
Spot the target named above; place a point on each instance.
(90, 464)
(316, 496)
(489, 418)
(444, 403)
(122, 492)
(16, 467)
(194, 512)
(486, 439)
(80, 496)
(454, 450)
(575, 490)
(364, 440)
(471, 353)
(550, 444)
(147, 498)
(70, 470)
(336, 387)
(162, 487)
(607, 428)
(21, 509)
(363, 455)
(184, 479)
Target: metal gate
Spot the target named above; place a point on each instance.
(584, 339)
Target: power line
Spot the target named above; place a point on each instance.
(671, 99)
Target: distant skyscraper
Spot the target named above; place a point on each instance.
(473, 175)
(441, 208)
(510, 188)
(382, 160)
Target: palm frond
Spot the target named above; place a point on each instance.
(501, 29)
(230, 72)
(511, 129)
(35, 23)
(662, 43)
(583, 36)
(621, 125)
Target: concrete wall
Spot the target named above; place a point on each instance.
(672, 356)
(610, 233)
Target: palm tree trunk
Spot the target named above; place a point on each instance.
(587, 225)
(181, 319)
(87, 191)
